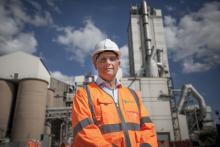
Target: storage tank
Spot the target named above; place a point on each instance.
(29, 119)
(50, 97)
(6, 97)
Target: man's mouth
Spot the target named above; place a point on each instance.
(109, 69)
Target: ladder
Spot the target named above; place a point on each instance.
(174, 112)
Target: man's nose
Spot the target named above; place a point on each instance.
(108, 60)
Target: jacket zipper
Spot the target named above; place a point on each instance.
(123, 125)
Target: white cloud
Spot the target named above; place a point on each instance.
(124, 60)
(23, 41)
(64, 78)
(14, 16)
(52, 4)
(189, 66)
(36, 5)
(21, 15)
(8, 25)
(80, 42)
(195, 38)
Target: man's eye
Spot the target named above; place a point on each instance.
(112, 58)
(104, 59)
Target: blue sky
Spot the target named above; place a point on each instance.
(63, 33)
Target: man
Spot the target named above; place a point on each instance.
(105, 113)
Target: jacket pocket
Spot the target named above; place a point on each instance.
(108, 113)
(116, 138)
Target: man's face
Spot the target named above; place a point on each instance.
(107, 65)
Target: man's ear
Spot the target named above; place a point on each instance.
(94, 63)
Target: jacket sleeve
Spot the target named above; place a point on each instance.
(85, 132)
(147, 131)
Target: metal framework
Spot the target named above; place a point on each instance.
(174, 112)
(58, 113)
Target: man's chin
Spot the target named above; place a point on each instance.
(109, 73)
(109, 76)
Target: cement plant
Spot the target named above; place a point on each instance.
(37, 108)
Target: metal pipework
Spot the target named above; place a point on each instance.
(189, 89)
(147, 40)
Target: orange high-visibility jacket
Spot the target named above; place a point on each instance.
(100, 122)
(34, 143)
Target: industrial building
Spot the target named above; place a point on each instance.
(35, 106)
(149, 71)
(27, 93)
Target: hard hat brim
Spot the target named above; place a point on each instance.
(94, 56)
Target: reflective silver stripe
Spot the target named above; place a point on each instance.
(145, 145)
(124, 127)
(82, 124)
(133, 126)
(110, 128)
(136, 99)
(145, 120)
(117, 127)
(91, 106)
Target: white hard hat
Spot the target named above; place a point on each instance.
(105, 45)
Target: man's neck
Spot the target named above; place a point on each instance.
(111, 83)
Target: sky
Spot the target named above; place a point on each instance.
(64, 32)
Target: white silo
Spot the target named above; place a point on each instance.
(50, 97)
(29, 117)
(6, 97)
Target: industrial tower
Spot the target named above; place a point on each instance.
(147, 47)
(149, 70)
(149, 64)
